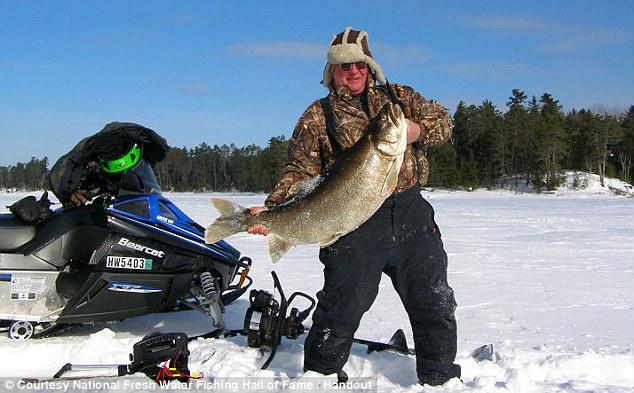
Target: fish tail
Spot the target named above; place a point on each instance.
(231, 220)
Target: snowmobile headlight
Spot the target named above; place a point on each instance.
(123, 163)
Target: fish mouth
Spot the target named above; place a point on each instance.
(392, 121)
(391, 139)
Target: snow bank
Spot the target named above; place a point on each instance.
(577, 183)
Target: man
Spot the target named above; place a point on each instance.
(401, 239)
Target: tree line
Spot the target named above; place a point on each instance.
(532, 142)
(29, 176)
(529, 143)
(223, 168)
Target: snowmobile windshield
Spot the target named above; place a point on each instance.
(140, 180)
(123, 163)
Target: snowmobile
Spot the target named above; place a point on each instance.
(129, 252)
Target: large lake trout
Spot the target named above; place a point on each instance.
(333, 204)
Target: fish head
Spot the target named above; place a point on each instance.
(388, 131)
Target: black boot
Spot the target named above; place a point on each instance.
(435, 378)
(342, 377)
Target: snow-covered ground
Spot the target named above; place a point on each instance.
(547, 279)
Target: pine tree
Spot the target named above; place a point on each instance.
(464, 141)
(516, 130)
(535, 147)
(200, 171)
(554, 139)
(577, 124)
(608, 133)
(443, 168)
(272, 161)
(489, 144)
(626, 146)
(173, 172)
(4, 177)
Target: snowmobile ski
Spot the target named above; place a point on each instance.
(398, 343)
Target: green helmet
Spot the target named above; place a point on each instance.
(123, 163)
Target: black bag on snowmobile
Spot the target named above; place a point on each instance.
(31, 210)
(71, 170)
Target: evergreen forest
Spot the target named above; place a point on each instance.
(529, 142)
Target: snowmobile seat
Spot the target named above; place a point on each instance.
(14, 232)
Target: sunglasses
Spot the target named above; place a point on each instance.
(348, 66)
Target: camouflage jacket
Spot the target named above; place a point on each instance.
(310, 150)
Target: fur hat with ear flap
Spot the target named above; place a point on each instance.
(350, 46)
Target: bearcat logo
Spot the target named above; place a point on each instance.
(139, 247)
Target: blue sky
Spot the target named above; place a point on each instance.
(242, 72)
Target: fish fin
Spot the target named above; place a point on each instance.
(304, 187)
(229, 222)
(391, 179)
(278, 246)
(329, 240)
